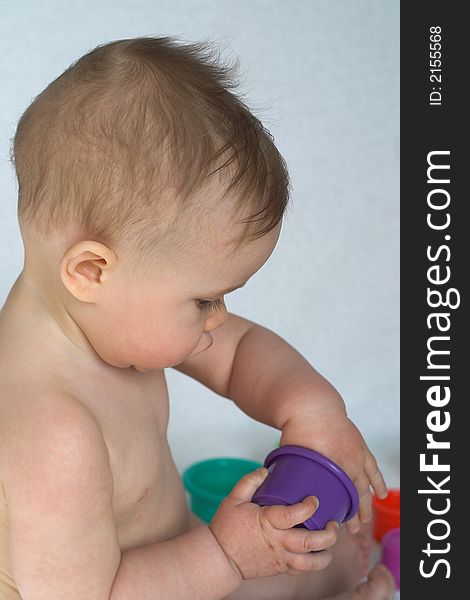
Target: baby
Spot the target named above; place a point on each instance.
(147, 192)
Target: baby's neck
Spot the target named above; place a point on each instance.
(30, 306)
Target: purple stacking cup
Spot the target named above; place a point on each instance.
(391, 553)
(296, 472)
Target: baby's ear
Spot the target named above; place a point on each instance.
(84, 268)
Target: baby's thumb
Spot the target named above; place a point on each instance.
(285, 517)
(245, 489)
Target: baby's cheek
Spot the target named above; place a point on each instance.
(169, 348)
(152, 338)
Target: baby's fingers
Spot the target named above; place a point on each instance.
(353, 524)
(365, 499)
(246, 488)
(303, 540)
(375, 476)
(285, 517)
(312, 561)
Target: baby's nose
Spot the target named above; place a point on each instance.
(216, 319)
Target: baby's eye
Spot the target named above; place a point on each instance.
(210, 304)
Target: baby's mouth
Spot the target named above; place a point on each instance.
(198, 350)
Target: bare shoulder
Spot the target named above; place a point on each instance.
(36, 406)
(58, 486)
(50, 425)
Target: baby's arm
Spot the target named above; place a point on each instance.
(274, 384)
(63, 541)
(265, 376)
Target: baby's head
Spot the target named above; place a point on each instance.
(146, 189)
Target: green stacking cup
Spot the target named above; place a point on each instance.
(208, 482)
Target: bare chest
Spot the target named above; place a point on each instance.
(132, 410)
(149, 502)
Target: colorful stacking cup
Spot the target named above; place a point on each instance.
(296, 472)
(208, 482)
(391, 553)
(386, 513)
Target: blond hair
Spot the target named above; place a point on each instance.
(130, 119)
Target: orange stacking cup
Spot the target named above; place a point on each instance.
(386, 513)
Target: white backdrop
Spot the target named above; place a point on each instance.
(323, 76)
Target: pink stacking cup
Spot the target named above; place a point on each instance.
(391, 553)
(295, 473)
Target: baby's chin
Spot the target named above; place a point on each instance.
(205, 343)
(141, 370)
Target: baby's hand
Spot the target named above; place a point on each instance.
(336, 437)
(261, 541)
